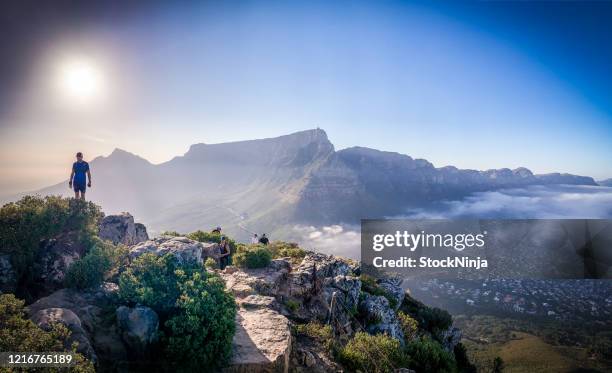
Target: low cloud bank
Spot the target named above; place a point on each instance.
(334, 239)
(536, 202)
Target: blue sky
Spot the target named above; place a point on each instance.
(476, 85)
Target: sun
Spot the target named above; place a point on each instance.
(80, 80)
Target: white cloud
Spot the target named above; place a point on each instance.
(334, 239)
(559, 201)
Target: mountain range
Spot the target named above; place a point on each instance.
(259, 185)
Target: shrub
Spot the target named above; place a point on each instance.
(23, 224)
(463, 362)
(292, 305)
(170, 233)
(151, 281)
(373, 353)
(252, 257)
(202, 236)
(410, 326)
(435, 319)
(93, 268)
(19, 334)
(427, 355)
(280, 249)
(320, 333)
(200, 334)
(196, 313)
(210, 263)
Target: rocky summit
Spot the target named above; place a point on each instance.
(290, 311)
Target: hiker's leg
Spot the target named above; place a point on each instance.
(83, 196)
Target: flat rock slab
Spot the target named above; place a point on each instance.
(262, 342)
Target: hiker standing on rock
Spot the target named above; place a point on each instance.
(77, 177)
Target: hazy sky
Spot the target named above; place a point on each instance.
(476, 85)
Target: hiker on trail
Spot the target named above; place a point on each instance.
(216, 230)
(264, 240)
(225, 252)
(255, 239)
(77, 176)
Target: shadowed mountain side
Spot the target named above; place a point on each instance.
(296, 178)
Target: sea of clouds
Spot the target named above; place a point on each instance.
(534, 202)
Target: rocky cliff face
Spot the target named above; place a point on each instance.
(359, 183)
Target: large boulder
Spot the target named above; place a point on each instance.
(96, 311)
(139, 327)
(54, 258)
(262, 342)
(341, 294)
(184, 249)
(8, 276)
(393, 287)
(451, 338)
(263, 281)
(307, 278)
(380, 316)
(45, 318)
(121, 229)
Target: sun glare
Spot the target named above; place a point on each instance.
(80, 81)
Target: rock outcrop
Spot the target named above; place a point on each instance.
(90, 316)
(184, 249)
(55, 257)
(262, 342)
(139, 327)
(47, 316)
(380, 316)
(121, 229)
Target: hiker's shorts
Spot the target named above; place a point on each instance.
(78, 187)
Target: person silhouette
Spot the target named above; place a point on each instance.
(80, 168)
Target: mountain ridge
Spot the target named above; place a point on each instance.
(297, 178)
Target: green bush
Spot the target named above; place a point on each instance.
(95, 266)
(292, 305)
(427, 355)
(19, 334)
(464, 364)
(23, 224)
(196, 312)
(210, 263)
(373, 353)
(431, 319)
(151, 281)
(435, 319)
(281, 249)
(410, 326)
(202, 236)
(317, 331)
(252, 257)
(170, 233)
(199, 335)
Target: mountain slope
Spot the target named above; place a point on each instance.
(296, 178)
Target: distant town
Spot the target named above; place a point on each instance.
(563, 300)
